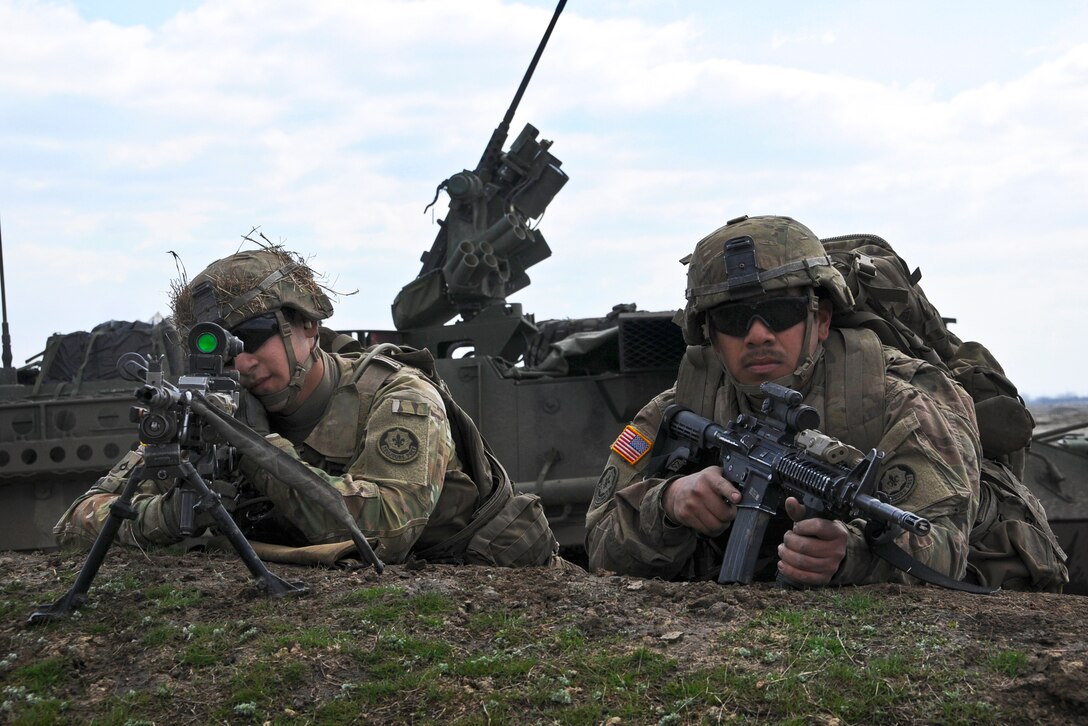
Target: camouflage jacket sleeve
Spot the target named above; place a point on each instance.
(394, 476)
(626, 529)
(83, 520)
(931, 467)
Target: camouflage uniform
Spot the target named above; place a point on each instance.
(923, 421)
(384, 440)
(932, 463)
(398, 471)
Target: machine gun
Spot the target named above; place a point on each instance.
(186, 436)
(485, 243)
(782, 454)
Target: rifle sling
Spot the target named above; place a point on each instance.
(891, 553)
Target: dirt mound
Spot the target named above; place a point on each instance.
(170, 639)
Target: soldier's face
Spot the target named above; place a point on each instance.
(266, 370)
(763, 354)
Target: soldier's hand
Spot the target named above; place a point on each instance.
(254, 473)
(227, 493)
(704, 501)
(812, 552)
(172, 503)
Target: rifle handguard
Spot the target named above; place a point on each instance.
(290, 471)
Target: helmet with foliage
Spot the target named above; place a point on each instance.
(751, 256)
(267, 281)
(247, 284)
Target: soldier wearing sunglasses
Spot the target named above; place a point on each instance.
(761, 298)
(378, 425)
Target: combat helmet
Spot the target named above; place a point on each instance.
(248, 284)
(751, 256)
(251, 284)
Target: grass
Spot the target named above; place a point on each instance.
(400, 656)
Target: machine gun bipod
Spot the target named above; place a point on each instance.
(186, 437)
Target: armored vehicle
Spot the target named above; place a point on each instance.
(64, 421)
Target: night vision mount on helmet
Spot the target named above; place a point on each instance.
(752, 256)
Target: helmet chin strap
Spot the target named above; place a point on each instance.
(285, 402)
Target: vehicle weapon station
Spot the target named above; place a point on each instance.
(550, 397)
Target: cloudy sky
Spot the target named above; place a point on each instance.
(957, 131)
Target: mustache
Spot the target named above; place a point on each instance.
(762, 356)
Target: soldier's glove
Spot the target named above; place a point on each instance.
(252, 413)
(222, 402)
(161, 519)
(257, 476)
(228, 495)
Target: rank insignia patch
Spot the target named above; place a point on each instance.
(398, 445)
(410, 408)
(631, 445)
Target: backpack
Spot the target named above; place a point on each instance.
(1012, 543)
(74, 358)
(507, 529)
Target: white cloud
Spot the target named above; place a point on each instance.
(332, 125)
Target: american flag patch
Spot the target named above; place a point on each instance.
(632, 445)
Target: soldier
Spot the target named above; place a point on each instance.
(378, 426)
(760, 300)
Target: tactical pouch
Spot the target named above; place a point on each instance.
(517, 536)
(1012, 545)
(1004, 424)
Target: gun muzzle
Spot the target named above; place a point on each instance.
(876, 509)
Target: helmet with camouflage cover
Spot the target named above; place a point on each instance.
(247, 284)
(752, 256)
(267, 281)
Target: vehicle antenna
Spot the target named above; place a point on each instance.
(5, 337)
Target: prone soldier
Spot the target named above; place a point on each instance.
(378, 425)
(761, 295)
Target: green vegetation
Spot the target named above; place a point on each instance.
(1011, 663)
(402, 656)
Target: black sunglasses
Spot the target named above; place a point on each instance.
(256, 331)
(777, 313)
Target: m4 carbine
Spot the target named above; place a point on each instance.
(770, 458)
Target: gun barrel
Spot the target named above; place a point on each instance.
(885, 512)
(685, 424)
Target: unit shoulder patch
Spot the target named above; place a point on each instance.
(398, 445)
(897, 482)
(631, 445)
(606, 487)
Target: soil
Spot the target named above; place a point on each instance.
(680, 620)
(103, 652)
